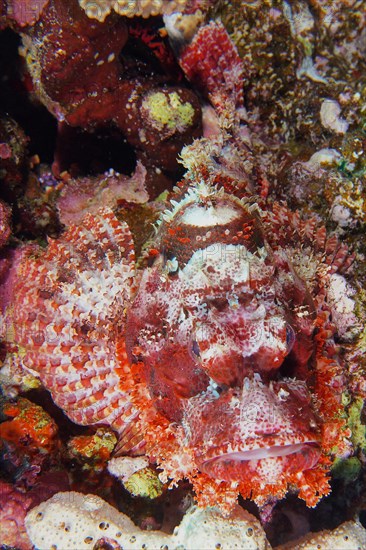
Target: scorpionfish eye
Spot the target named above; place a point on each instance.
(208, 220)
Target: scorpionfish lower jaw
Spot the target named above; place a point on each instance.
(241, 431)
(242, 465)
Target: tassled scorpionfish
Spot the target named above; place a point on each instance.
(214, 356)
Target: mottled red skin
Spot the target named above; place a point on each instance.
(215, 427)
(177, 353)
(223, 327)
(204, 341)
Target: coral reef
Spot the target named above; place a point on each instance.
(183, 317)
(29, 444)
(101, 9)
(23, 13)
(13, 158)
(30, 426)
(72, 520)
(92, 451)
(35, 212)
(212, 63)
(116, 90)
(136, 476)
(295, 60)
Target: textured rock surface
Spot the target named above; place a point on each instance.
(71, 521)
(348, 536)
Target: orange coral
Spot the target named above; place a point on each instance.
(30, 426)
(93, 451)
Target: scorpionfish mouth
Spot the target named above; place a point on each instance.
(272, 461)
(260, 430)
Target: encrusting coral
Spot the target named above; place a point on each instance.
(143, 8)
(13, 158)
(136, 476)
(348, 536)
(5, 230)
(30, 427)
(116, 91)
(13, 509)
(72, 520)
(92, 451)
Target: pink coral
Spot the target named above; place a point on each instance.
(13, 509)
(83, 195)
(212, 63)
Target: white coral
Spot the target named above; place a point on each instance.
(330, 111)
(73, 521)
(348, 536)
(100, 9)
(123, 467)
(339, 296)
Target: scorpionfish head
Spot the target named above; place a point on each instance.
(261, 430)
(211, 307)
